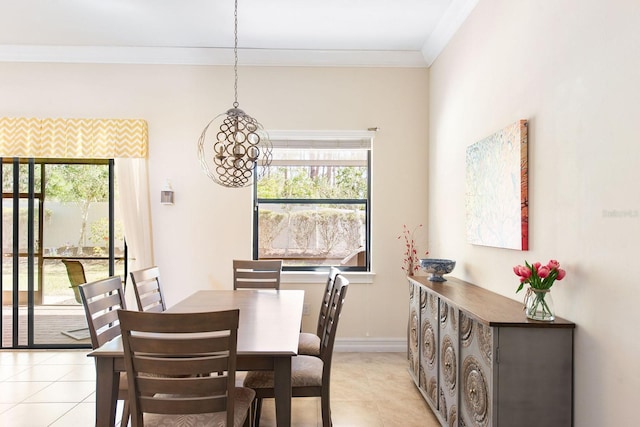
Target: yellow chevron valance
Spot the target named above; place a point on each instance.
(73, 138)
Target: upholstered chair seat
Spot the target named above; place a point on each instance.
(243, 399)
(309, 344)
(306, 371)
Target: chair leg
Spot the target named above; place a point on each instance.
(326, 409)
(248, 421)
(256, 413)
(126, 411)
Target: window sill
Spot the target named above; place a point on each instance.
(321, 276)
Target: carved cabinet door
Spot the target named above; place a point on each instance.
(448, 355)
(414, 330)
(429, 337)
(476, 372)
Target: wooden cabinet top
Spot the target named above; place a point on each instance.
(486, 306)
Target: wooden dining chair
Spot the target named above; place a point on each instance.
(309, 342)
(101, 300)
(256, 274)
(310, 375)
(146, 286)
(174, 379)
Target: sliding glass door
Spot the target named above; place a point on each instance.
(53, 212)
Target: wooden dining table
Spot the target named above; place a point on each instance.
(267, 340)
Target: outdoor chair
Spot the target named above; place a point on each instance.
(75, 272)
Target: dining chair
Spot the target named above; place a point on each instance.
(309, 342)
(310, 375)
(172, 362)
(75, 272)
(256, 274)
(146, 286)
(101, 300)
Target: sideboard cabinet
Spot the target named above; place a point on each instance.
(479, 362)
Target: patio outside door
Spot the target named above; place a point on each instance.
(53, 211)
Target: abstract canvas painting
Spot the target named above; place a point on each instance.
(497, 205)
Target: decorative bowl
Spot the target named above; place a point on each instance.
(437, 267)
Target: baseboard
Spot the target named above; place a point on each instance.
(364, 345)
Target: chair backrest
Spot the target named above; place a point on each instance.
(101, 300)
(75, 271)
(328, 337)
(324, 307)
(256, 274)
(190, 373)
(146, 285)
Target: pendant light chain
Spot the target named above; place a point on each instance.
(235, 53)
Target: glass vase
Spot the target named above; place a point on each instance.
(539, 305)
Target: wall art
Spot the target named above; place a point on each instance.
(497, 203)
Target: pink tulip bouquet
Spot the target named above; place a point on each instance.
(539, 276)
(410, 260)
(537, 303)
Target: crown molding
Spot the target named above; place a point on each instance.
(450, 22)
(210, 56)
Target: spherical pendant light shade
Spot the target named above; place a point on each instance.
(232, 147)
(236, 146)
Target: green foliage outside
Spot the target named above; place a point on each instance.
(300, 183)
(56, 273)
(23, 182)
(83, 184)
(100, 233)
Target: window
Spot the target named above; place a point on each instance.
(312, 206)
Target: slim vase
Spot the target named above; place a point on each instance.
(539, 305)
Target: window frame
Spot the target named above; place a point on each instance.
(316, 138)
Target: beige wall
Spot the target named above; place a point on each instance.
(196, 239)
(571, 68)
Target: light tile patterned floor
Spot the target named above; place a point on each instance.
(56, 388)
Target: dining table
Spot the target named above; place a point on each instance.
(268, 335)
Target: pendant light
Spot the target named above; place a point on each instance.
(236, 145)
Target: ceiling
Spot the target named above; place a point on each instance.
(270, 32)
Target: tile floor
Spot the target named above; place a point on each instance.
(56, 388)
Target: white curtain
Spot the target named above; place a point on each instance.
(133, 204)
